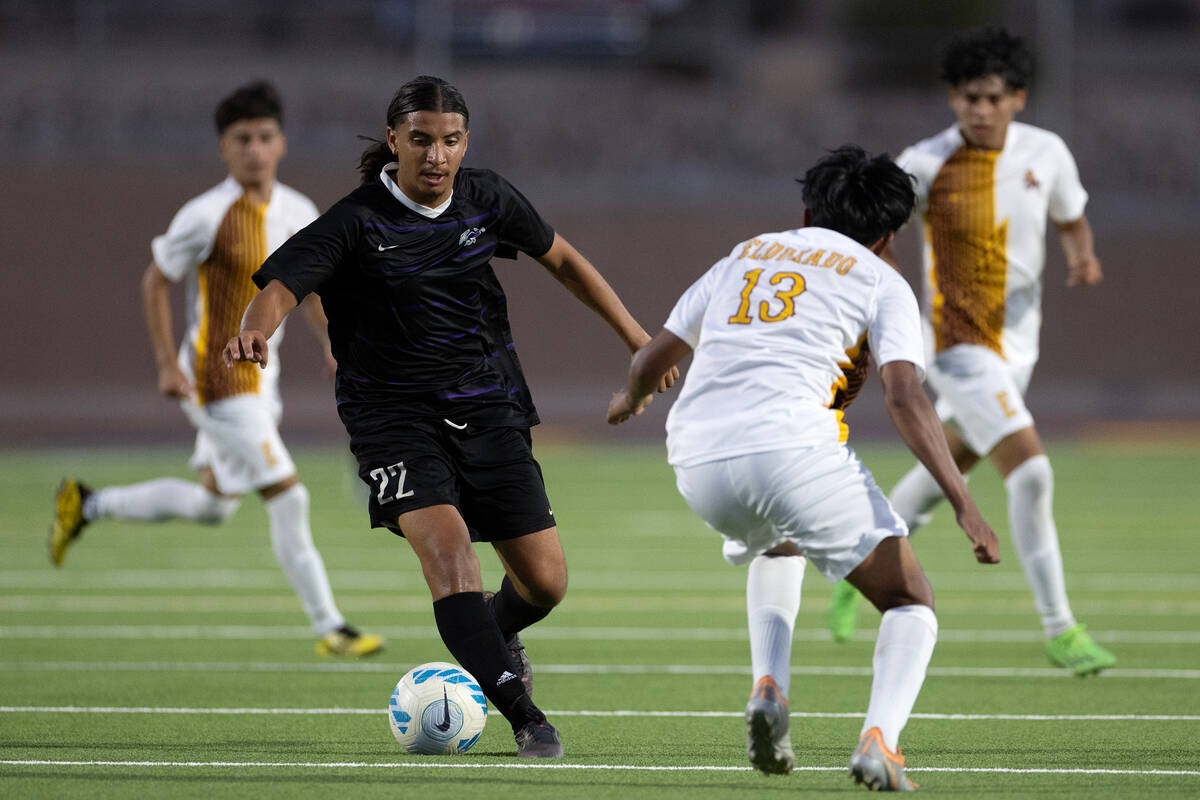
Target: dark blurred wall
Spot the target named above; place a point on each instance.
(77, 365)
(653, 135)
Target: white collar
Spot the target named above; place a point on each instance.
(408, 202)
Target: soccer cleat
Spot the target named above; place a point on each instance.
(767, 743)
(1077, 651)
(843, 610)
(538, 740)
(876, 766)
(516, 650)
(349, 643)
(68, 518)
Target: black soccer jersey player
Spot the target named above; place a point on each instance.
(429, 386)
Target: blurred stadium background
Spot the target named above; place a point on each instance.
(654, 134)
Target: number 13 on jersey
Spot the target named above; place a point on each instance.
(794, 286)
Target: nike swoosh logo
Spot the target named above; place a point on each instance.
(444, 725)
(389, 247)
(457, 427)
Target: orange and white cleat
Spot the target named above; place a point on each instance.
(876, 766)
(767, 743)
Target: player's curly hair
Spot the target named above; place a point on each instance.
(857, 194)
(987, 51)
(257, 100)
(422, 93)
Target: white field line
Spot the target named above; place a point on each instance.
(731, 600)
(547, 632)
(569, 669)
(584, 713)
(630, 579)
(589, 767)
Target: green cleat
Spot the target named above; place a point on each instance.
(843, 610)
(68, 518)
(876, 766)
(1077, 651)
(767, 743)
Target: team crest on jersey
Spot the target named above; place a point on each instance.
(1031, 181)
(470, 236)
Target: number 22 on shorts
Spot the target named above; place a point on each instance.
(383, 476)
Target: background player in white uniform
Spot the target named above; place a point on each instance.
(758, 442)
(985, 188)
(214, 243)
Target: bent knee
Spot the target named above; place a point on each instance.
(216, 509)
(548, 590)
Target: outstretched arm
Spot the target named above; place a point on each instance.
(156, 307)
(263, 316)
(575, 272)
(1083, 268)
(318, 323)
(646, 371)
(921, 430)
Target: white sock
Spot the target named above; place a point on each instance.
(915, 497)
(1030, 516)
(292, 540)
(772, 602)
(158, 500)
(902, 652)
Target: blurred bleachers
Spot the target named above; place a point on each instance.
(653, 133)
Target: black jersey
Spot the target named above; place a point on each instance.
(417, 317)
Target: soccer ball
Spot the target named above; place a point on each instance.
(437, 708)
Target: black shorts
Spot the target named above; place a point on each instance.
(487, 473)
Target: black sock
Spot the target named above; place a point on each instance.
(514, 613)
(473, 638)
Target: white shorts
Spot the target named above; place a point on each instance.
(238, 439)
(980, 394)
(821, 498)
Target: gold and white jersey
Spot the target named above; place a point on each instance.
(216, 242)
(782, 328)
(984, 215)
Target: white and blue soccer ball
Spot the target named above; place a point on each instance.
(437, 709)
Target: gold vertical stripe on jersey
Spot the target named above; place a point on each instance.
(225, 290)
(969, 264)
(849, 383)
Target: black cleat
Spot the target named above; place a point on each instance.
(538, 740)
(516, 650)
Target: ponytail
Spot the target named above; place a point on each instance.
(374, 158)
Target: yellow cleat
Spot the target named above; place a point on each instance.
(68, 518)
(346, 642)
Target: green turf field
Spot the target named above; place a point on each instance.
(173, 660)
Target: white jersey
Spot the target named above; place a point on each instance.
(782, 328)
(216, 242)
(984, 215)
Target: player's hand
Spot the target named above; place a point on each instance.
(983, 539)
(622, 407)
(247, 346)
(1084, 272)
(172, 382)
(668, 380)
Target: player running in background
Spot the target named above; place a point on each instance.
(985, 187)
(214, 243)
(429, 386)
(758, 442)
